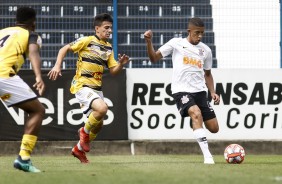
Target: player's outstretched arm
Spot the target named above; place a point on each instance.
(122, 60)
(56, 70)
(153, 55)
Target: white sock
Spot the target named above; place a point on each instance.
(79, 147)
(200, 136)
(86, 131)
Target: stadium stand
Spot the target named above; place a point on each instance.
(60, 22)
(167, 19)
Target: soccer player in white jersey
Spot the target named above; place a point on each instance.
(191, 78)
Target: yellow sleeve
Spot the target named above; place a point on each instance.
(79, 44)
(111, 61)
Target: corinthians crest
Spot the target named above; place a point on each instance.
(201, 52)
(185, 99)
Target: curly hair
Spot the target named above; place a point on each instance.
(25, 15)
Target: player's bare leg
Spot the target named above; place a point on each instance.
(94, 120)
(36, 112)
(199, 133)
(212, 125)
(99, 111)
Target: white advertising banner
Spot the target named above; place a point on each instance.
(250, 107)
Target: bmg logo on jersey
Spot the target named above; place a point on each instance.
(5, 96)
(192, 61)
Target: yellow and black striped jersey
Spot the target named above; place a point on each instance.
(14, 43)
(93, 56)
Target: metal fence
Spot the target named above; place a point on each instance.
(241, 34)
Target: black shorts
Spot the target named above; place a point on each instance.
(185, 100)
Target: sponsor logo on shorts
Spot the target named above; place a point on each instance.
(5, 97)
(209, 105)
(89, 95)
(185, 99)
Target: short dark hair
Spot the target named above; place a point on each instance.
(195, 21)
(101, 18)
(25, 15)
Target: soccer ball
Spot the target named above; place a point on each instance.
(234, 154)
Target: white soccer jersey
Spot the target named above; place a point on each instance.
(189, 62)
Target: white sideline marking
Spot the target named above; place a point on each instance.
(132, 148)
(278, 178)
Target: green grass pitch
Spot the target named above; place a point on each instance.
(144, 169)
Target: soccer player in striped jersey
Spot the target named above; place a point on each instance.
(17, 43)
(95, 54)
(191, 78)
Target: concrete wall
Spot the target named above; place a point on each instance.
(142, 147)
